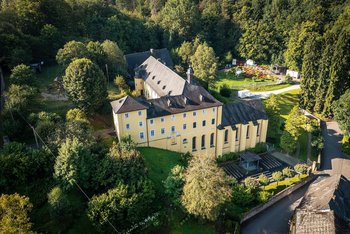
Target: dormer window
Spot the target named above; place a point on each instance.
(158, 82)
(169, 92)
(164, 87)
(153, 77)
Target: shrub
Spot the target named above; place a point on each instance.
(287, 172)
(185, 158)
(259, 148)
(59, 203)
(264, 196)
(346, 144)
(225, 91)
(300, 168)
(227, 157)
(287, 142)
(277, 176)
(251, 182)
(263, 179)
(288, 79)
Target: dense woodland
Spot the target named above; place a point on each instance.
(82, 36)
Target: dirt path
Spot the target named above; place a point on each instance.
(259, 95)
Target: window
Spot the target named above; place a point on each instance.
(142, 135)
(127, 126)
(152, 133)
(204, 123)
(247, 132)
(257, 130)
(204, 112)
(140, 113)
(194, 113)
(126, 115)
(213, 121)
(237, 134)
(162, 119)
(203, 142)
(213, 109)
(194, 124)
(184, 141)
(226, 136)
(212, 140)
(184, 126)
(140, 123)
(151, 121)
(193, 143)
(162, 131)
(184, 115)
(172, 128)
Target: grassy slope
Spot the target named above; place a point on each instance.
(159, 163)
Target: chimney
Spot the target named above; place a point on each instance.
(169, 102)
(201, 97)
(185, 100)
(189, 74)
(152, 51)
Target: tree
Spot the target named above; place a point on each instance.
(309, 72)
(287, 172)
(288, 142)
(115, 58)
(341, 109)
(22, 75)
(96, 53)
(174, 184)
(206, 188)
(59, 203)
(122, 205)
(71, 51)
(85, 84)
(119, 81)
(263, 179)
(259, 41)
(14, 214)
(123, 162)
(277, 176)
(272, 110)
(20, 165)
(187, 50)
(74, 164)
(77, 115)
(179, 17)
(204, 63)
(295, 122)
(251, 182)
(19, 97)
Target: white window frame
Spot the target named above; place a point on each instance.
(151, 121)
(127, 126)
(142, 135)
(184, 126)
(194, 113)
(173, 129)
(126, 115)
(213, 121)
(139, 113)
(162, 131)
(152, 133)
(140, 124)
(162, 119)
(184, 115)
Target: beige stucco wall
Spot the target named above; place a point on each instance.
(175, 140)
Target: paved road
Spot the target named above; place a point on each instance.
(332, 152)
(275, 219)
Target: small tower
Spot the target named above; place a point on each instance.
(189, 74)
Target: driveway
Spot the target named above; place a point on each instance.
(332, 151)
(266, 94)
(275, 220)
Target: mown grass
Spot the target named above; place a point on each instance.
(267, 87)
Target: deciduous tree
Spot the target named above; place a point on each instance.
(206, 188)
(204, 63)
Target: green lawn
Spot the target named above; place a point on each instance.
(287, 101)
(159, 163)
(267, 87)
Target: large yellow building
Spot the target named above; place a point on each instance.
(177, 115)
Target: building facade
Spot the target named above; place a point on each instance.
(180, 116)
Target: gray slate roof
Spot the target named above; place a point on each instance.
(250, 157)
(126, 104)
(242, 112)
(160, 78)
(136, 59)
(326, 205)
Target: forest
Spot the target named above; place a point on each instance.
(76, 182)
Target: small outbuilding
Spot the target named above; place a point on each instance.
(279, 70)
(249, 161)
(293, 74)
(250, 62)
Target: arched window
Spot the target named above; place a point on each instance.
(203, 142)
(184, 141)
(226, 136)
(212, 140)
(194, 144)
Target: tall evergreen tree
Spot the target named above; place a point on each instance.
(309, 73)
